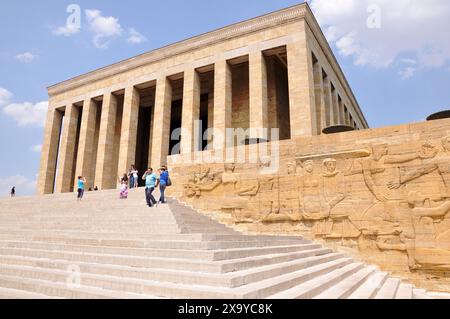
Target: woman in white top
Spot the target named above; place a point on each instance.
(135, 172)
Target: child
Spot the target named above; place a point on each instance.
(81, 183)
(124, 187)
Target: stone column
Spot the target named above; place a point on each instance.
(64, 180)
(347, 116)
(222, 103)
(105, 174)
(191, 111)
(161, 123)
(321, 122)
(334, 107)
(128, 137)
(86, 146)
(259, 113)
(301, 93)
(328, 101)
(341, 112)
(49, 155)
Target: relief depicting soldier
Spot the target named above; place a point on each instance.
(338, 225)
(239, 194)
(376, 164)
(288, 197)
(431, 249)
(311, 196)
(432, 161)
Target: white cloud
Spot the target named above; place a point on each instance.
(407, 72)
(5, 96)
(67, 30)
(24, 185)
(103, 28)
(26, 57)
(27, 114)
(410, 30)
(135, 37)
(36, 148)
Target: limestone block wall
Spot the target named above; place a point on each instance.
(240, 113)
(381, 194)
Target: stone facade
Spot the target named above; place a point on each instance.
(263, 72)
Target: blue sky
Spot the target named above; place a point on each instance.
(399, 70)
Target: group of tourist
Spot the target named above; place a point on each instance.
(152, 181)
(130, 180)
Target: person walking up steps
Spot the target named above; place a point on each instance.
(81, 186)
(151, 182)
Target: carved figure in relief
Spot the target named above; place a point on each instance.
(239, 194)
(427, 154)
(430, 252)
(202, 182)
(338, 224)
(376, 164)
(432, 161)
(311, 195)
(288, 197)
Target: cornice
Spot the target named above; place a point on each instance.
(235, 30)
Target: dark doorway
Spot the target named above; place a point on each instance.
(143, 141)
(204, 104)
(175, 124)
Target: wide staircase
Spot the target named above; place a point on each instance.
(104, 247)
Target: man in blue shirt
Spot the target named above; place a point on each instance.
(163, 178)
(151, 182)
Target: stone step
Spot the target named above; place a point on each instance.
(267, 288)
(389, 289)
(62, 290)
(6, 293)
(346, 287)
(114, 288)
(118, 235)
(35, 268)
(8, 255)
(315, 286)
(421, 294)
(405, 291)
(166, 253)
(438, 295)
(168, 243)
(370, 288)
(252, 275)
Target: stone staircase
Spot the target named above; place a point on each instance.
(104, 247)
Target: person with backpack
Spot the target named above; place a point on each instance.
(163, 183)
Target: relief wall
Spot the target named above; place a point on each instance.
(383, 195)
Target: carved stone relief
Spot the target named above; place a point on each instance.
(377, 198)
